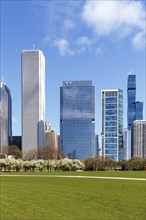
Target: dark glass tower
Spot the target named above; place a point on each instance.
(131, 96)
(134, 109)
(77, 119)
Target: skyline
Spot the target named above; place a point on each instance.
(76, 46)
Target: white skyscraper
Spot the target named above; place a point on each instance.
(33, 100)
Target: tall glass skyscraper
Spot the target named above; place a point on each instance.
(134, 108)
(77, 119)
(5, 117)
(131, 96)
(33, 100)
(112, 124)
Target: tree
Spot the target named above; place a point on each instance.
(89, 163)
(61, 154)
(15, 151)
(137, 163)
(48, 152)
(31, 154)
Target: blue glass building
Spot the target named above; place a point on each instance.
(112, 124)
(77, 119)
(5, 116)
(134, 109)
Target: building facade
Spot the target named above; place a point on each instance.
(127, 144)
(112, 124)
(51, 135)
(77, 119)
(139, 139)
(33, 100)
(5, 117)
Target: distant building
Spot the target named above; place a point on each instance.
(51, 137)
(134, 111)
(139, 139)
(77, 119)
(17, 142)
(5, 117)
(112, 123)
(134, 108)
(127, 145)
(33, 100)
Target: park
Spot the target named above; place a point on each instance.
(73, 195)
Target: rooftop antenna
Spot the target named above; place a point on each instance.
(33, 46)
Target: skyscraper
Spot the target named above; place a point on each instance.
(134, 108)
(33, 100)
(139, 139)
(127, 144)
(5, 117)
(134, 111)
(112, 123)
(77, 119)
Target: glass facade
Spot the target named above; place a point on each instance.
(134, 109)
(5, 116)
(112, 124)
(77, 119)
(131, 96)
(139, 110)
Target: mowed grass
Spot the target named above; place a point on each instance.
(39, 198)
(127, 174)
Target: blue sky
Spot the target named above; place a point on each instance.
(100, 41)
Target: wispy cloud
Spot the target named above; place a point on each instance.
(63, 46)
(68, 24)
(84, 43)
(139, 41)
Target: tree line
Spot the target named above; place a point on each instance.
(48, 153)
(99, 163)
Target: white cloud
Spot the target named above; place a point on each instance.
(63, 47)
(139, 41)
(84, 43)
(47, 39)
(120, 18)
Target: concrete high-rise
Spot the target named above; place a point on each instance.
(112, 124)
(77, 119)
(139, 139)
(51, 137)
(33, 100)
(5, 117)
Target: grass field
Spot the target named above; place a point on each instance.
(39, 198)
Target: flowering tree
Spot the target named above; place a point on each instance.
(63, 164)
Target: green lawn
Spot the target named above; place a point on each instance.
(39, 198)
(128, 174)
